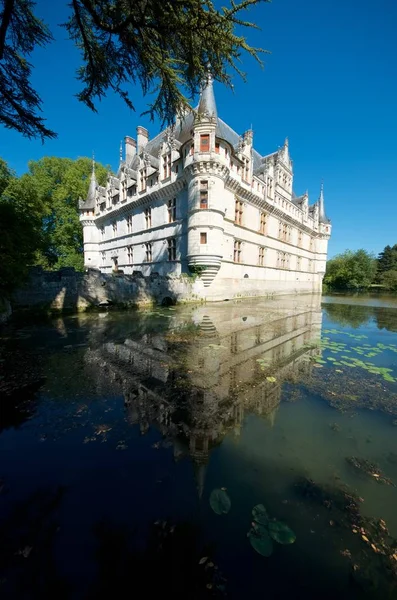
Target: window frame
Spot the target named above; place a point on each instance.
(204, 142)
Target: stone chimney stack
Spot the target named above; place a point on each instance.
(130, 149)
(142, 136)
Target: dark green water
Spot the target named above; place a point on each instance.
(116, 427)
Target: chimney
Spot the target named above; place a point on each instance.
(142, 136)
(130, 149)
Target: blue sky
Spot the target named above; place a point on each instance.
(329, 84)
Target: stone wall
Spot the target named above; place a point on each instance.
(69, 290)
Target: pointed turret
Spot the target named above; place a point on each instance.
(322, 217)
(89, 202)
(93, 186)
(207, 105)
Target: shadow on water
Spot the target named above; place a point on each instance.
(128, 421)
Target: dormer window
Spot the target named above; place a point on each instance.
(142, 180)
(167, 165)
(246, 169)
(124, 189)
(204, 142)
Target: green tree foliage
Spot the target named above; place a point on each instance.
(389, 280)
(162, 45)
(39, 218)
(60, 182)
(387, 267)
(351, 270)
(21, 234)
(387, 259)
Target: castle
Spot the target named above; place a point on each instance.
(198, 198)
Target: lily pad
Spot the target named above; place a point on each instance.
(260, 515)
(271, 379)
(281, 532)
(220, 502)
(260, 541)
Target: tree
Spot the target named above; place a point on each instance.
(389, 279)
(20, 231)
(351, 270)
(387, 259)
(39, 218)
(163, 45)
(59, 183)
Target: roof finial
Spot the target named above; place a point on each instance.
(121, 150)
(286, 142)
(93, 162)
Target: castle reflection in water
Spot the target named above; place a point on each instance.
(196, 377)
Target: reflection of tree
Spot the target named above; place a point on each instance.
(386, 318)
(350, 315)
(355, 315)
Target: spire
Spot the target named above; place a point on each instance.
(93, 184)
(322, 217)
(207, 103)
(121, 151)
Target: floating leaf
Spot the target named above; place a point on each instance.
(220, 501)
(203, 560)
(260, 515)
(271, 379)
(281, 532)
(260, 541)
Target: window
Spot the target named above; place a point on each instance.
(246, 169)
(172, 249)
(270, 187)
(284, 232)
(298, 263)
(124, 189)
(203, 237)
(148, 252)
(131, 191)
(217, 148)
(205, 143)
(171, 210)
(263, 223)
(148, 218)
(203, 194)
(102, 231)
(114, 225)
(129, 224)
(261, 256)
(130, 254)
(226, 152)
(142, 180)
(238, 212)
(103, 256)
(167, 165)
(237, 251)
(283, 260)
(176, 169)
(191, 149)
(300, 238)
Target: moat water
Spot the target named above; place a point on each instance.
(134, 447)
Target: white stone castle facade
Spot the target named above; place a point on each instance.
(199, 198)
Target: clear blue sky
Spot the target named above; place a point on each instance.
(329, 84)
